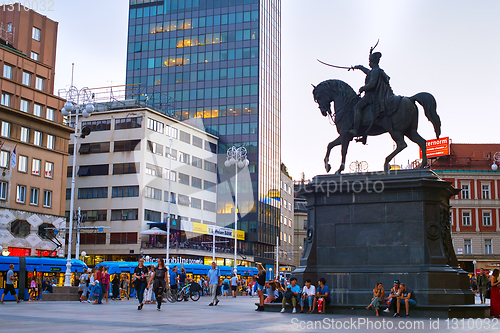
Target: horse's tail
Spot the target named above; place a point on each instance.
(429, 104)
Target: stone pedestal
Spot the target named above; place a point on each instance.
(372, 227)
(62, 294)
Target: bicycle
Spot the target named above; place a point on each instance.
(191, 290)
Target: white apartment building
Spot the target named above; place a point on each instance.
(122, 183)
(286, 223)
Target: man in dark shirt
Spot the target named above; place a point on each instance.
(406, 297)
(482, 281)
(174, 279)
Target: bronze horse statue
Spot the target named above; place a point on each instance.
(403, 121)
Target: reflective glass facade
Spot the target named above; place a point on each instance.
(219, 61)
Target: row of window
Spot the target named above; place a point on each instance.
(285, 187)
(120, 124)
(23, 164)
(467, 221)
(9, 73)
(286, 221)
(29, 136)
(34, 198)
(285, 204)
(485, 192)
(285, 238)
(488, 246)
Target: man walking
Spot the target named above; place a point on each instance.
(234, 284)
(9, 284)
(482, 281)
(213, 277)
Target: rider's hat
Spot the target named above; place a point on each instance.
(375, 56)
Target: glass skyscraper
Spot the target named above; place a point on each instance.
(218, 61)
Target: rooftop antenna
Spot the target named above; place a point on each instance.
(72, 72)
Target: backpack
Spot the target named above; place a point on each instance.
(226, 285)
(83, 279)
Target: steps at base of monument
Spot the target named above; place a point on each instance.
(62, 294)
(419, 311)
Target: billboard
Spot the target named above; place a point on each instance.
(437, 147)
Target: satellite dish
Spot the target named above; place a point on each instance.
(85, 131)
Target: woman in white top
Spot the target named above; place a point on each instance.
(308, 293)
(148, 294)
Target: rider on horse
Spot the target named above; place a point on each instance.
(376, 89)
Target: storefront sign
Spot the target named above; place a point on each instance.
(437, 147)
(181, 260)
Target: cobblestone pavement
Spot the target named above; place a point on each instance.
(232, 314)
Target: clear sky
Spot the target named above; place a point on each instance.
(448, 48)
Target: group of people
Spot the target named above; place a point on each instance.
(487, 286)
(399, 296)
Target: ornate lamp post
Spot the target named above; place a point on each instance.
(78, 101)
(238, 157)
(496, 161)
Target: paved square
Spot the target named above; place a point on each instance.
(231, 315)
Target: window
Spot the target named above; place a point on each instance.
(487, 219)
(196, 182)
(23, 163)
(468, 246)
(20, 228)
(4, 159)
(26, 78)
(153, 170)
(151, 215)
(174, 154)
(488, 247)
(35, 193)
(156, 125)
(183, 157)
(125, 168)
(21, 193)
(124, 191)
(154, 148)
(93, 170)
(47, 198)
(152, 193)
(124, 214)
(127, 145)
(3, 190)
(94, 148)
(127, 123)
(209, 166)
(94, 215)
(197, 142)
(211, 147)
(209, 206)
(290, 239)
(5, 99)
(36, 34)
(39, 83)
(183, 200)
(172, 197)
(34, 56)
(183, 179)
(195, 203)
(25, 134)
(50, 141)
(485, 190)
(465, 192)
(37, 139)
(5, 129)
(25, 105)
(290, 206)
(7, 71)
(50, 114)
(36, 167)
(209, 186)
(123, 238)
(184, 137)
(197, 162)
(98, 125)
(172, 175)
(37, 110)
(92, 193)
(466, 221)
(173, 132)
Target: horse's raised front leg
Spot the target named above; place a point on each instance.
(332, 144)
(345, 144)
(400, 145)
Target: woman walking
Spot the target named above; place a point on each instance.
(105, 283)
(124, 287)
(115, 287)
(378, 298)
(148, 293)
(261, 281)
(140, 274)
(159, 282)
(99, 278)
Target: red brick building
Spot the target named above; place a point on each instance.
(475, 210)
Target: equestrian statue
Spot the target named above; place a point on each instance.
(379, 111)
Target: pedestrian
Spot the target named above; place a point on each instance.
(183, 279)
(148, 293)
(115, 287)
(159, 282)
(482, 281)
(225, 287)
(234, 284)
(174, 279)
(140, 274)
(94, 293)
(213, 277)
(406, 297)
(495, 294)
(9, 284)
(124, 287)
(83, 286)
(105, 284)
(33, 287)
(261, 281)
(99, 278)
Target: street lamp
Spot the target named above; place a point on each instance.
(78, 101)
(496, 161)
(238, 157)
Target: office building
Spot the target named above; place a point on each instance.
(286, 222)
(219, 61)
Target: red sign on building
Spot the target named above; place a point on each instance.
(437, 147)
